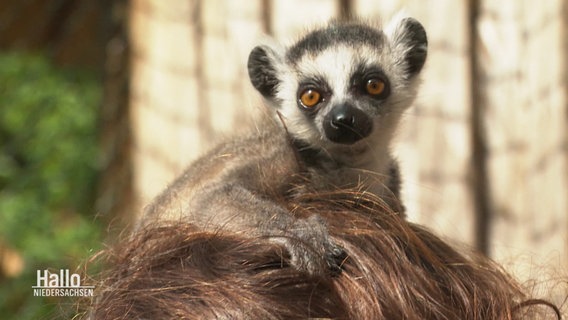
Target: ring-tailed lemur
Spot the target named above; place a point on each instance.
(341, 91)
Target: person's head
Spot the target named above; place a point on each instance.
(394, 270)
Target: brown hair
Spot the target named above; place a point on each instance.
(394, 270)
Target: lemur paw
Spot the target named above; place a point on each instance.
(311, 248)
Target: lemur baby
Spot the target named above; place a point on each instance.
(340, 92)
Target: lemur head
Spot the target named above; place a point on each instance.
(345, 83)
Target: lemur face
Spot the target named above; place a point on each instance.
(342, 84)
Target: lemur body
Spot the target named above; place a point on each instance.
(240, 185)
(339, 93)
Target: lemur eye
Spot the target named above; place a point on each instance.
(309, 98)
(375, 87)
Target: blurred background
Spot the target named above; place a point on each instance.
(103, 103)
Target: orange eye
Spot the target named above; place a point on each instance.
(375, 87)
(310, 98)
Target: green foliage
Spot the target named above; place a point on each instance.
(48, 170)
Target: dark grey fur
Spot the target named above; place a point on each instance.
(353, 34)
(242, 185)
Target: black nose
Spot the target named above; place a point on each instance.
(346, 124)
(343, 120)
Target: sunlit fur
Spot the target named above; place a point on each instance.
(394, 270)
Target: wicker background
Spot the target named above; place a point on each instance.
(484, 150)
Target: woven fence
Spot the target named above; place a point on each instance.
(483, 151)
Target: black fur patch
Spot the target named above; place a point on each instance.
(262, 72)
(415, 37)
(364, 72)
(310, 155)
(350, 34)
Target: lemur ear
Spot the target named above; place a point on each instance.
(263, 64)
(408, 37)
